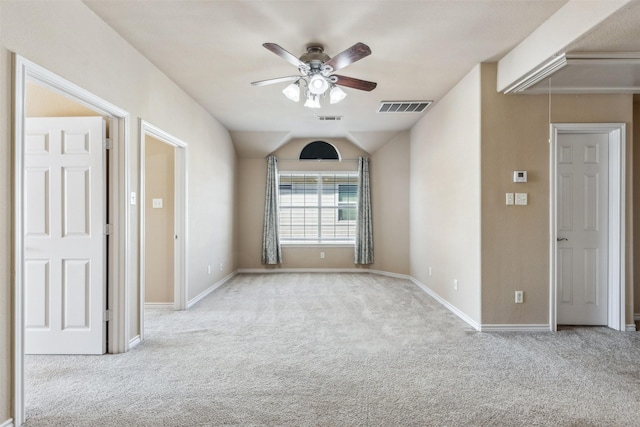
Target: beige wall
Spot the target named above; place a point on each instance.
(515, 243)
(42, 102)
(64, 38)
(159, 222)
(515, 246)
(251, 189)
(252, 175)
(389, 173)
(445, 197)
(472, 132)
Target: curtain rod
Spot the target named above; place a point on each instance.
(316, 160)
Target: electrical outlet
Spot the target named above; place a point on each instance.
(321, 255)
(429, 271)
(519, 297)
(208, 269)
(221, 267)
(455, 284)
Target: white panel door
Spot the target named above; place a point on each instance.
(582, 220)
(64, 241)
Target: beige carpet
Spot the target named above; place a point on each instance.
(338, 350)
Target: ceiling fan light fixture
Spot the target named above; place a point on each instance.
(336, 95)
(313, 101)
(292, 92)
(318, 84)
(316, 69)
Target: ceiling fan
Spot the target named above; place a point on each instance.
(317, 68)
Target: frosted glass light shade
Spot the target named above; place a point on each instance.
(292, 92)
(318, 84)
(336, 95)
(312, 102)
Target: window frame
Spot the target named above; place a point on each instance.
(320, 241)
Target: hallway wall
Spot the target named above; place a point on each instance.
(62, 37)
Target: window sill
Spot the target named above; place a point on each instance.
(317, 244)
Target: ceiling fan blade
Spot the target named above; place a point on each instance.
(349, 56)
(276, 80)
(355, 83)
(284, 54)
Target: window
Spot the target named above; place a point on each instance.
(319, 150)
(318, 207)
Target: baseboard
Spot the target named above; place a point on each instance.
(8, 423)
(515, 328)
(301, 270)
(134, 341)
(475, 325)
(322, 270)
(210, 289)
(636, 317)
(163, 305)
(631, 327)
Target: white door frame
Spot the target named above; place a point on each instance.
(180, 216)
(616, 311)
(118, 253)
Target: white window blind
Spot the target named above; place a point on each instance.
(318, 207)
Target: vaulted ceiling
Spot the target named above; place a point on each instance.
(420, 50)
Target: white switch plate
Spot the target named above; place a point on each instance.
(521, 199)
(133, 198)
(156, 203)
(509, 199)
(455, 284)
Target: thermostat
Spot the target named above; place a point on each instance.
(519, 176)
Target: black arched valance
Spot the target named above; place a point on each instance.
(319, 150)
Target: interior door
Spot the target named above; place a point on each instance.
(582, 228)
(64, 236)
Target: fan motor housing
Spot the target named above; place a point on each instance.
(314, 56)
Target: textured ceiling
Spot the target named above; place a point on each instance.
(420, 50)
(619, 33)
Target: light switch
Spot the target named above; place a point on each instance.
(156, 203)
(521, 198)
(133, 198)
(509, 199)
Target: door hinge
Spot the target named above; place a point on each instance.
(108, 315)
(107, 144)
(107, 229)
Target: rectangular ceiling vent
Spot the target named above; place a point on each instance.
(403, 106)
(330, 118)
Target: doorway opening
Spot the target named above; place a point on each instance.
(163, 216)
(614, 225)
(30, 75)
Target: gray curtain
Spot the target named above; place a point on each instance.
(271, 252)
(364, 225)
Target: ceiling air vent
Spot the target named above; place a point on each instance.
(403, 106)
(330, 118)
